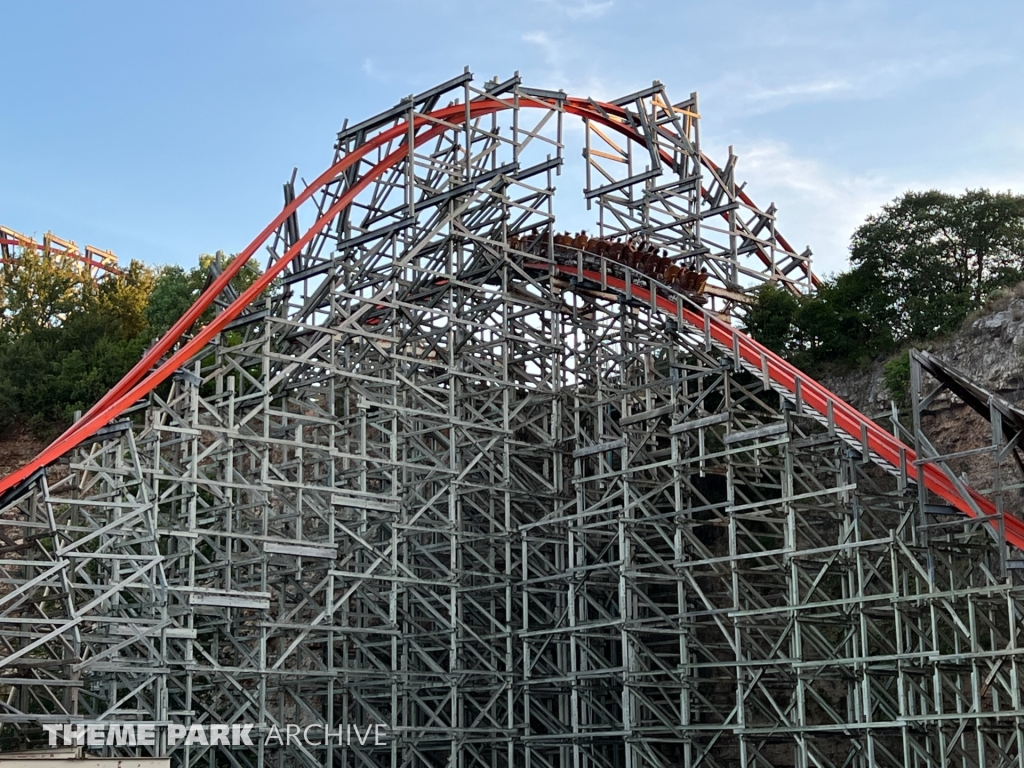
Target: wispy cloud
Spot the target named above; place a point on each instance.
(585, 9)
(819, 206)
(844, 77)
(372, 71)
(544, 42)
(813, 89)
(564, 60)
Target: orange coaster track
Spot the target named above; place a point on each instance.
(153, 368)
(860, 431)
(525, 504)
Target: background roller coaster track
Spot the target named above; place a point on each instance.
(857, 428)
(99, 262)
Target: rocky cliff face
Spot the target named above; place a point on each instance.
(989, 349)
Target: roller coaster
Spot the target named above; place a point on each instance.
(523, 499)
(94, 262)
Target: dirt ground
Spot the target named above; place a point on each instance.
(17, 449)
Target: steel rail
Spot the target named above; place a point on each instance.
(143, 378)
(150, 372)
(844, 416)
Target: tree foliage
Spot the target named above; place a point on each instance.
(918, 268)
(65, 340)
(935, 256)
(176, 289)
(772, 319)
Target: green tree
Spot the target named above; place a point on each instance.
(40, 292)
(842, 322)
(65, 340)
(845, 321)
(175, 289)
(62, 356)
(123, 299)
(919, 267)
(896, 375)
(935, 256)
(770, 320)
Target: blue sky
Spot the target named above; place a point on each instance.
(163, 130)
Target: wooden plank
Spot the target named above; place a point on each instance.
(756, 434)
(363, 502)
(654, 413)
(301, 550)
(599, 448)
(706, 421)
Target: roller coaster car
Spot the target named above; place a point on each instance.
(376, 315)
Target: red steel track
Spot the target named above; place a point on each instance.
(858, 427)
(149, 372)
